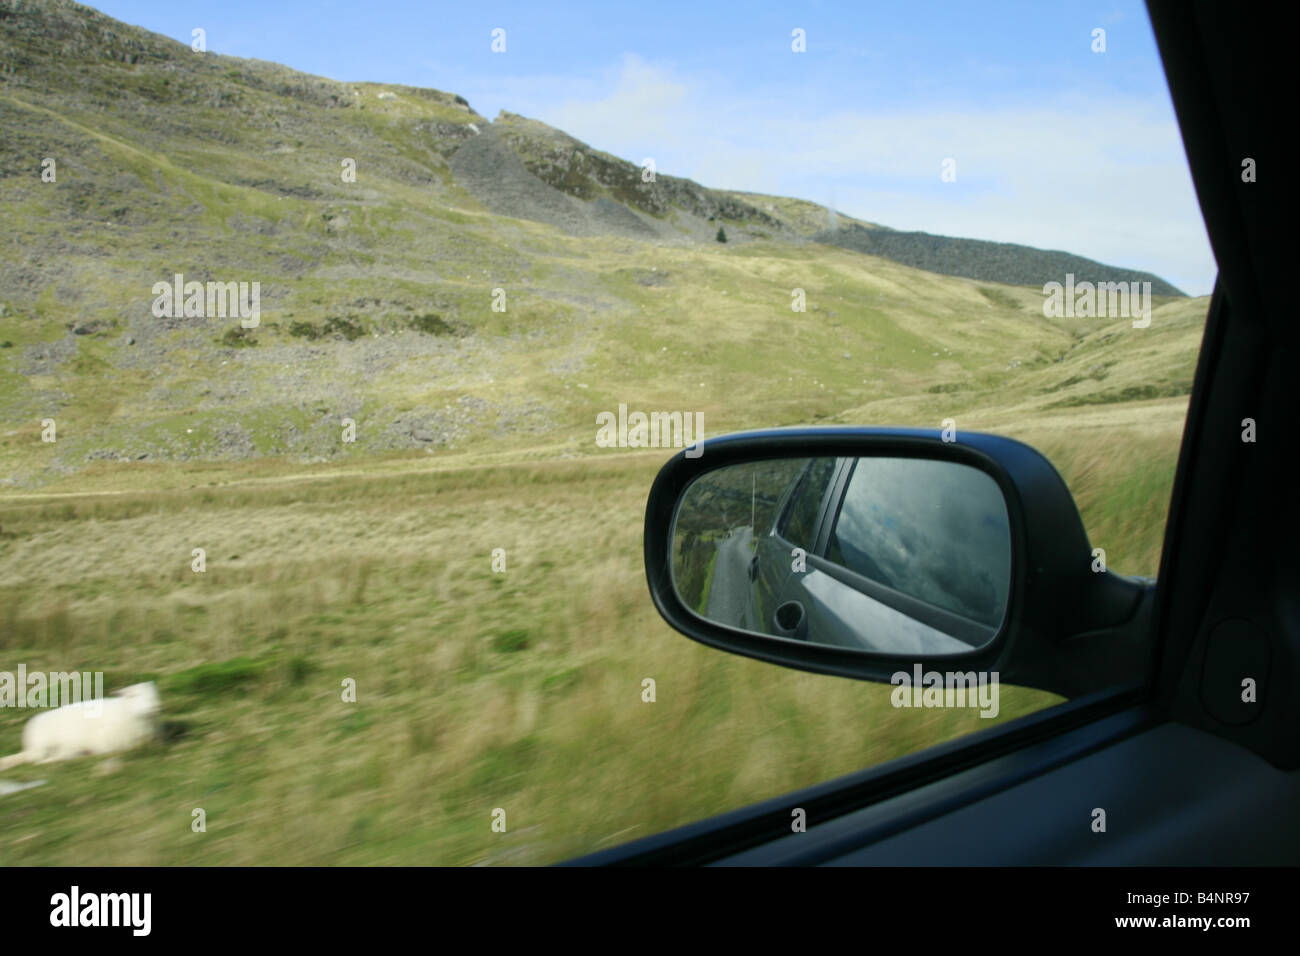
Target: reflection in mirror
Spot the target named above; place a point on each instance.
(892, 555)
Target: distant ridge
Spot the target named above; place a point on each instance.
(980, 259)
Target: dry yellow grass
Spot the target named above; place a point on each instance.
(337, 579)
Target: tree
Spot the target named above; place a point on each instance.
(722, 234)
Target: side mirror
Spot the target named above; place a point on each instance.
(863, 552)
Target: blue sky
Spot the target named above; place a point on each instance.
(1055, 145)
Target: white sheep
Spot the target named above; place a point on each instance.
(126, 719)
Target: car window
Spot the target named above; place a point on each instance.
(799, 523)
(333, 380)
(919, 541)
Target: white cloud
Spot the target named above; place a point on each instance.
(645, 98)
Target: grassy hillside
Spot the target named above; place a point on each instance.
(330, 560)
(377, 295)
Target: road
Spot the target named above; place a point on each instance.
(731, 594)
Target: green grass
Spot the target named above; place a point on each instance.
(475, 689)
(459, 672)
(707, 589)
(521, 690)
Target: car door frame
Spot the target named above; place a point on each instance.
(829, 498)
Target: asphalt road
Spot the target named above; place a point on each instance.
(731, 595)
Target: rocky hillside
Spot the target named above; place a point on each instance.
(59, 54)
(433, 276)
(978, 259)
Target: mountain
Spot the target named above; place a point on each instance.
(978, 259)
(475, 282)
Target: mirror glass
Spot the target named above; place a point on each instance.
(891, 555)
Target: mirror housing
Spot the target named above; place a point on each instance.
(1067, 629)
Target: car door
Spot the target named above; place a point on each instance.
(784, 548)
